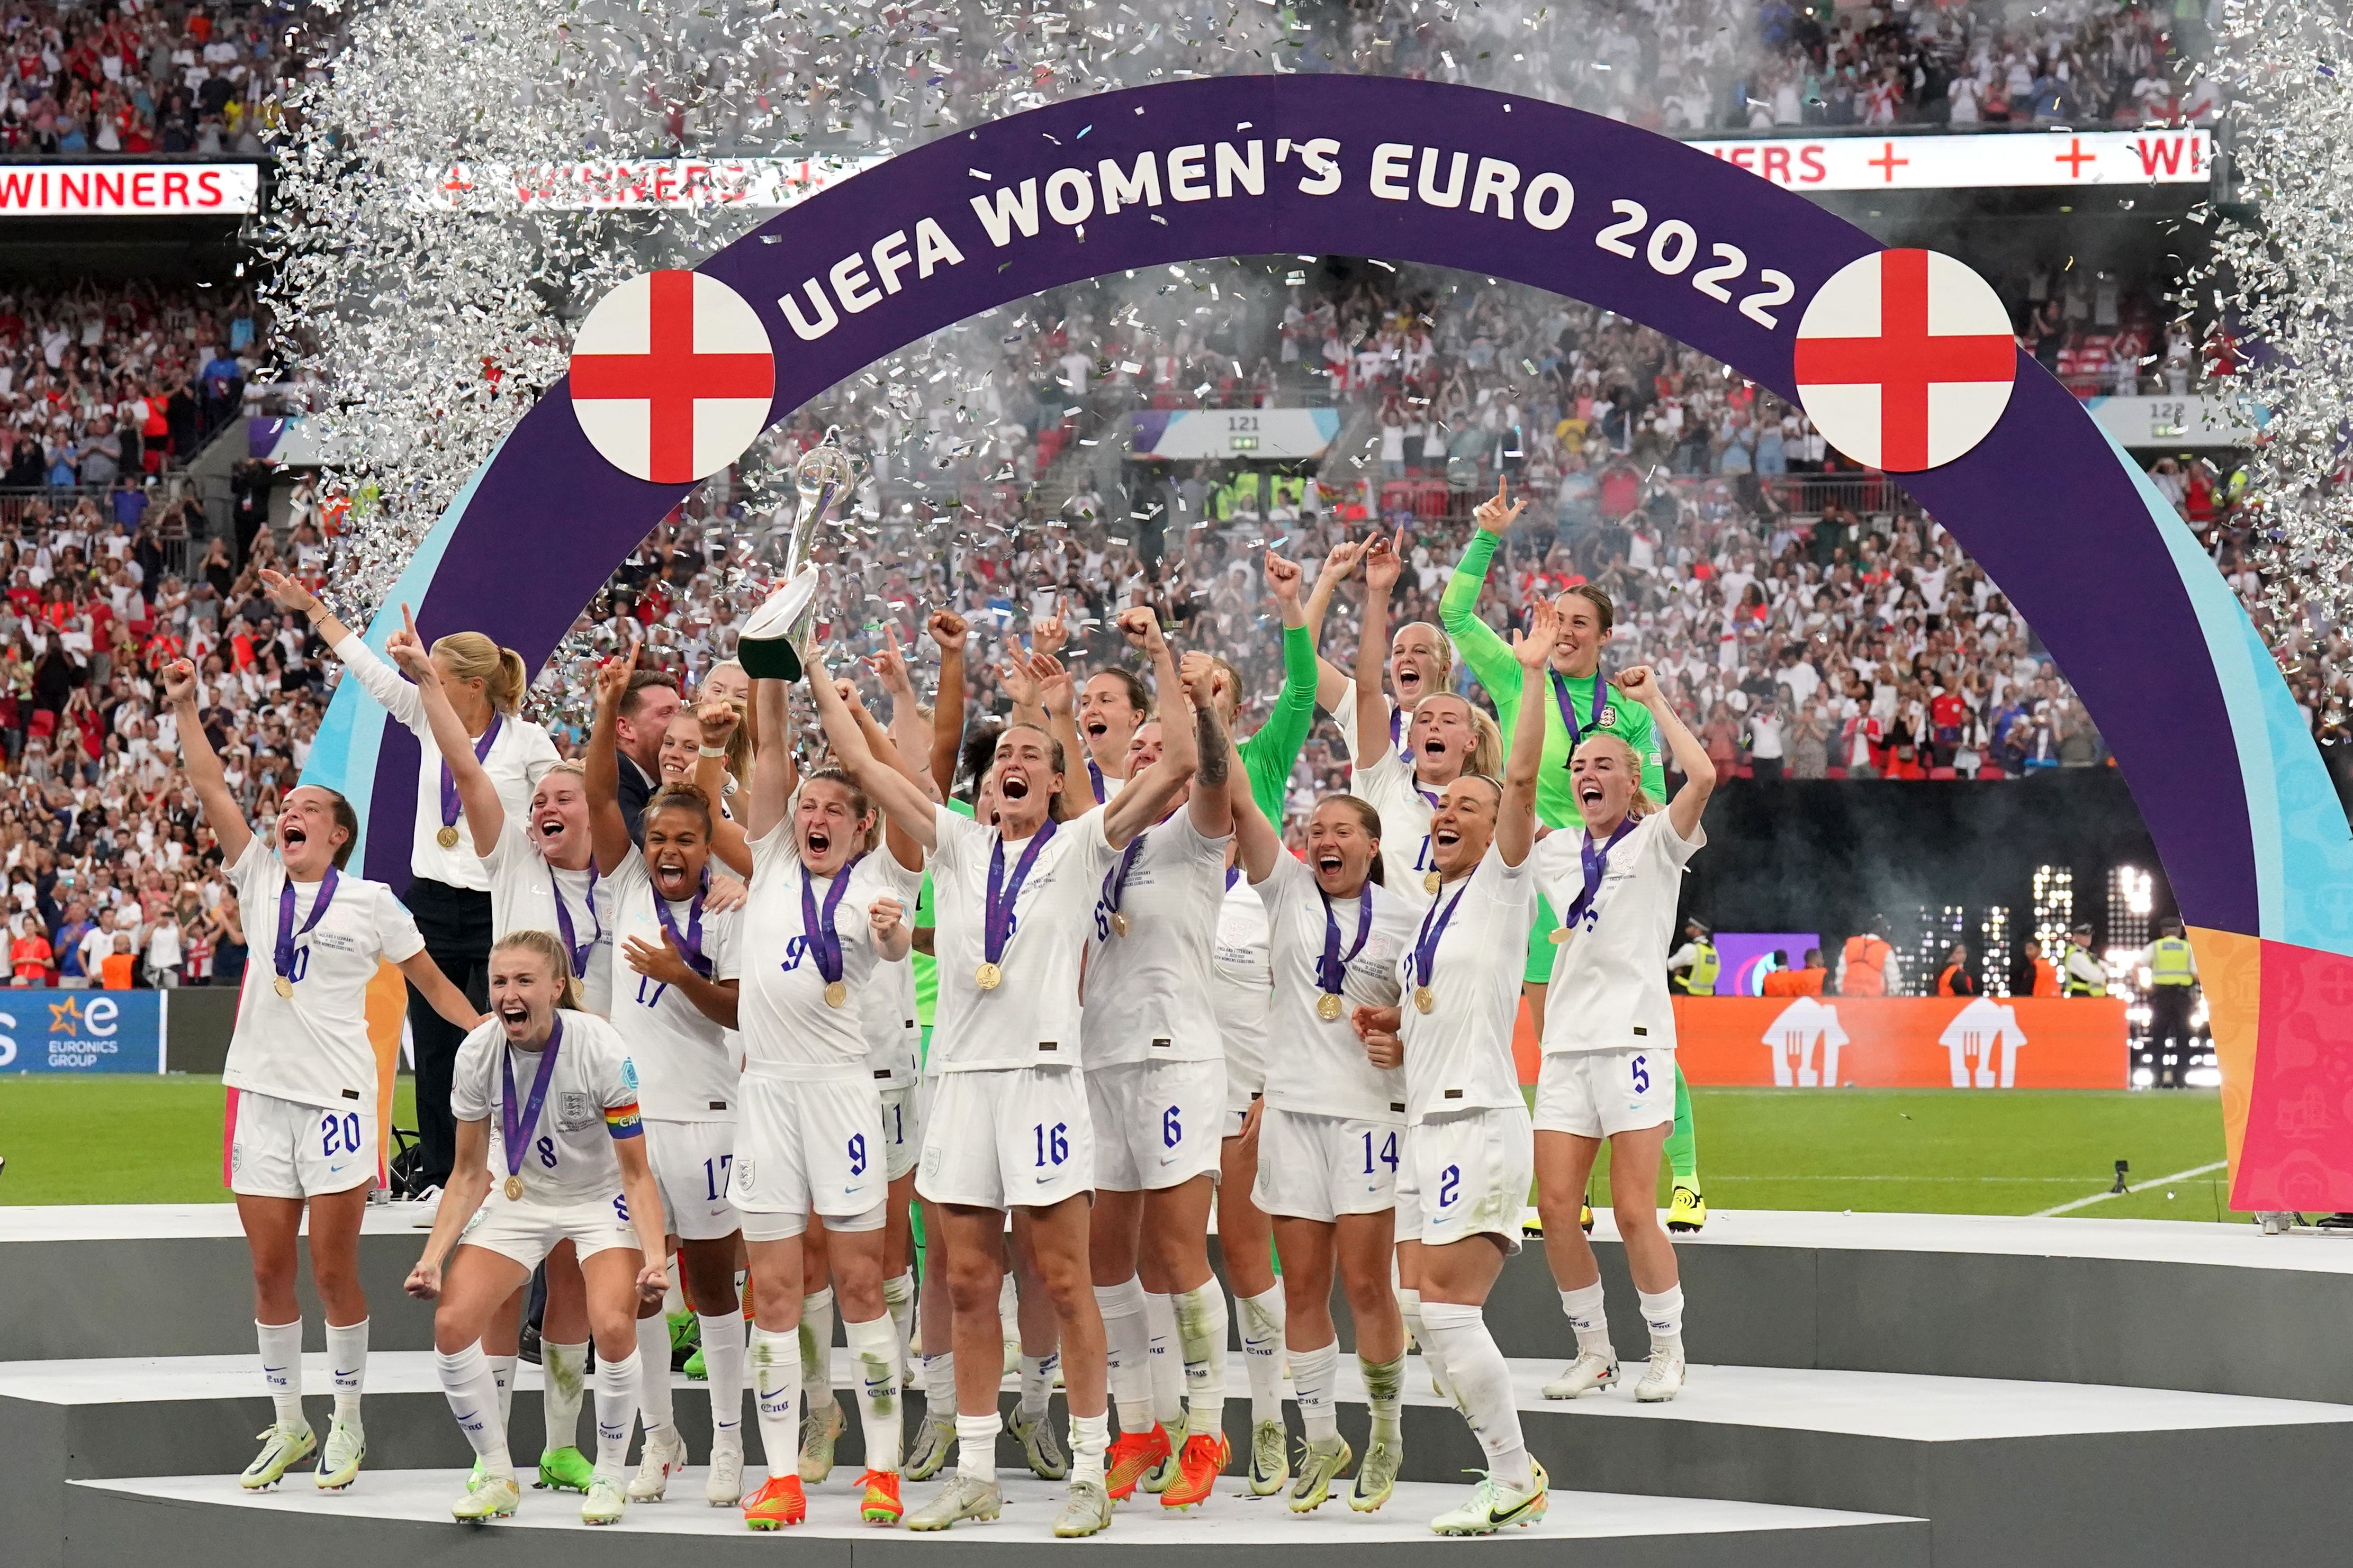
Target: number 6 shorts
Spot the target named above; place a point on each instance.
(1597, 1094)
(804, 1144)
(1157, 1124)
(1003, 1138)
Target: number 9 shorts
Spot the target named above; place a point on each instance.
(804, 1144)
(1004, 1137)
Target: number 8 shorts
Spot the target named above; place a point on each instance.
(803, 1144)
(1596, 1094)
(1002, 1138)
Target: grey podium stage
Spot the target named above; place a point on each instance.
(1866, 1389)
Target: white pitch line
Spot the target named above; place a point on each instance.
(2135, 1187)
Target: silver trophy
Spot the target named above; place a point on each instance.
(824, 472)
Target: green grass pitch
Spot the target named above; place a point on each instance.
(1921, 1150)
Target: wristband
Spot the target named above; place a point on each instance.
(712, 752)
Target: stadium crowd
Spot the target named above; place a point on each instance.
(146, 79)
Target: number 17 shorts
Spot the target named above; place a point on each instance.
(1004, 1137)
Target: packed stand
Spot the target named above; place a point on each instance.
(135, 78)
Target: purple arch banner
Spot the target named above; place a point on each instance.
(2219, 759)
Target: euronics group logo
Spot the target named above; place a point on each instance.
(81, 1031)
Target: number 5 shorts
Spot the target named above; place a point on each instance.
(804, 1144)
(691, 1161)
(1002, 1138)
(1466, 1174)
(1320, 1167)
(1596, 1094)
(1157, 1124)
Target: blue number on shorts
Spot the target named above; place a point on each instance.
(1449, 1185)
(339, 1134)
(1641, 1069)
(714, 1177)
(1054, 1144)
(1387, 1155)
(1172, 1130)
(547, 1153)
(898, 1124)
(795, 950)
(660, 986)
(857, 1154)
(621, 1208)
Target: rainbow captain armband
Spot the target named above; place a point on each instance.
(621, 1120)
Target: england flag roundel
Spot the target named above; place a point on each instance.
(1904, 360)
(671, 376)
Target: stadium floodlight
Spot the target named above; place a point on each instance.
(1993, 948)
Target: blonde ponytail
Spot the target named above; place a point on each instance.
(471, 655)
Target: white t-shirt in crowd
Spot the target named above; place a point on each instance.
(1032, 1017)
(686, 1063)
(788, 1030)
(1458, 1056)
(1386, 783)
(1322, 1067)
(1609, 989)
(1150, 995)
(523, 892)
(1245, 982)
(591, 1099)
(314, 1047)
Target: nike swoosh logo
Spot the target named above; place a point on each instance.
(1510, 1514)
(353, 1373)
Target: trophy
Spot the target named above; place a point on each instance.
(823, 473)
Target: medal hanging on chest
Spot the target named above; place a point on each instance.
(689, 941)
(1115, 886)
(516, 1125)
(283, 954)
(1596, 865)
(578, 950)
(1424, 960)
(819, 936)
(996, 910)
(448, 837)
(1567, 705)
(1332, 966)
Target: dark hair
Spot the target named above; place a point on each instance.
(978, 752)
(1369, 820)
(1813, 956)
(681, 797)
(1053, 750)
(1598, 597)
(345, 818)
(1139, 696)
(640, 683)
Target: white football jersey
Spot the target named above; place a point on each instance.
(1320, 1067)
(893, 1039)
(686, 1063)
(1031, 1019)
(1245, 985)
(1458, 1056)
(1150, 995)
(788, 1030)
(526, 892)
(1609, 989)
(314, 1047)
(592, 1099)
(1386, 783)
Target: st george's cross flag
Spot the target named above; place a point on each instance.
(671, 376)
(1904, 360)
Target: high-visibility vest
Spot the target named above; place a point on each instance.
(1865, 974)
(2170, 962)
(1699, 980)
(2079, 986)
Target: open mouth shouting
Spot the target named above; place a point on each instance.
(514, 1015)
(1444, 837)
(1013, 787)
(820, 840)
(1590, 792)
(673, 879)
(550, 828)
(1329, 863)
(1095, 728)
(1409, 683)
(292, 835)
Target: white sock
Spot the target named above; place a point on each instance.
(473, 1398)
(616, 1410)
(1008, 1308)
(1313, 1375)
(1589, 1315)
(1201, 1327)
(1385, 1393)
(722, 1363)
(976, 1446)
(939, 1387)
(1089, 1437)
(1127, 1350)
(674, 1299)
(282, 1368)
(874, 1346)
(653, 1375)
(347, 1350)
(1665, 1314)
(899, 1301)
(503, 1374)
(566, 1377)
(1481, 1382)
(776, 1389)
(1037, 1385)
(816, 1342)
(1168, 1365)
(1418, 1337)
(1262, 1318)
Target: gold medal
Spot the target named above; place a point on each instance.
(447, 838)
(1559, 934)
(1327, 1007)
(1432, 881)
(514, 1189)
(284, 987)
(1118, 923)
(989, 977)
(836, 993)
(1424, 999)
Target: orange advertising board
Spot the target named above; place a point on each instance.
(1910, 1042)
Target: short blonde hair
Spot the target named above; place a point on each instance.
(1641, 804)
(559, 962)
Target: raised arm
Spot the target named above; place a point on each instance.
(775, 774)
(1331, 680)
(890, 791)
(1637, 684)
(1383, 563)
(718, 717)
(608, 830)
(886, 751)
(949, 631)
(1515, 822)
(377, 677)
(910, 736)
(1057, 698)
(1211, 807)
(229, 828)
(1458, 609)
(1017, 677)
(1146, 798)
(1257, 841)
(486, 815)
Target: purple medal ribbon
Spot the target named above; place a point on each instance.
(824, 940)
(284, 954)
(1115, 880)
(449, 780)
(1424, 958)
(578, 950)
(518, 1129)
(690, 945)
(1233, 875)
(1331, 968)
(1095, 780)
(1560, 694)
(1597, 863)
(996, 929)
